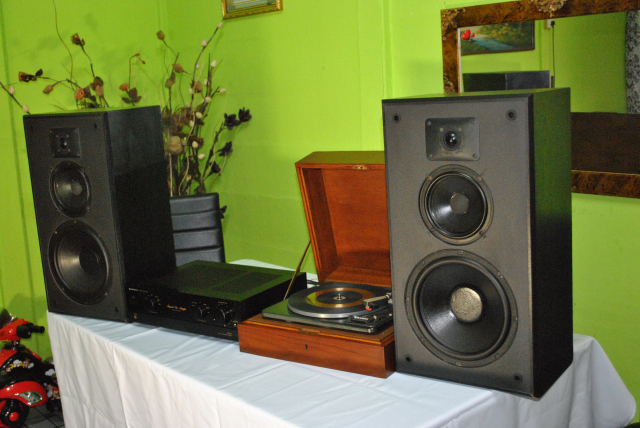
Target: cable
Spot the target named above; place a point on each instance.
(297, 271)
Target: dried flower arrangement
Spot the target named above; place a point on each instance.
(89, 96)
(194, 161)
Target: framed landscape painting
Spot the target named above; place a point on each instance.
(236, 8)
(509, 37)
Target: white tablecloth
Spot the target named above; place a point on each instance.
(129, 375)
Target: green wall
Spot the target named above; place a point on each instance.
(313, 76)
(113, 31)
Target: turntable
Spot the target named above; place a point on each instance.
(353, 307)
(345, 204)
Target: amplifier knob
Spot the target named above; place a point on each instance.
(223, 314)
(199, 311)
(151, 303)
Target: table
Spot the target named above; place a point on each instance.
(119, 375)
(115, 375)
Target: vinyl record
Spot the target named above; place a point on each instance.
(333, 300)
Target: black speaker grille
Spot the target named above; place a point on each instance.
(456, 205)
(80, 263)
(462, 309)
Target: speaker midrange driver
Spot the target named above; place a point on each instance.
(456, 204)
(70, 189)
(461, 308)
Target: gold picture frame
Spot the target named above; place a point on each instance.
(237, 8)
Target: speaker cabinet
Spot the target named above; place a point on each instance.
(479, 198)
(101, 199)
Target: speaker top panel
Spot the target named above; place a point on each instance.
(134, 135)
(466, 96)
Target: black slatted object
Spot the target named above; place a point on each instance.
(101, 199)
(479, 199)
(474, 82)
(197, 228)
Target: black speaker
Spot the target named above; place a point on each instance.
(101, 199)
(479, 198)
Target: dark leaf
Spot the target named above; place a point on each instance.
(244, 115)
(228, 148)
(126, 100)
(215, 168)
(26, 77)
(39, 73)
(230, 121)
(96, 82)
(76, 40)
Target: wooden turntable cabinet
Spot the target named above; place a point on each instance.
(345, 203)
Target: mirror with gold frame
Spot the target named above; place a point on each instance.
(605, 146)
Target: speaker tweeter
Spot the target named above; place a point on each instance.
(452, 138)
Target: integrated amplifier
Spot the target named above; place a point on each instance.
(210, 298)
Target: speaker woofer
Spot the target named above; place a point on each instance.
(456, 205)
(80, 263)
(461, 308)
(70, 189)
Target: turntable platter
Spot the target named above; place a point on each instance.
(333, 300)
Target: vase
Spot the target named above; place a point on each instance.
(197, 228)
